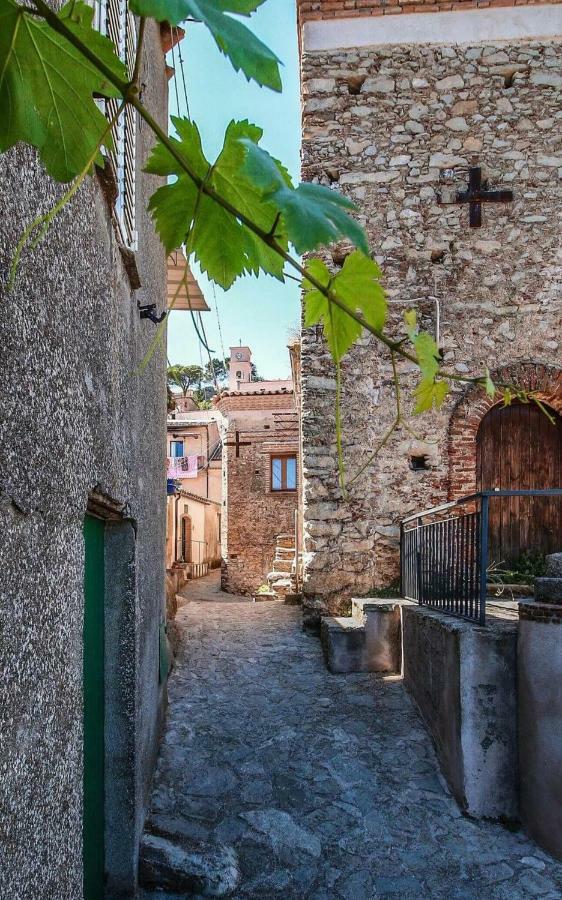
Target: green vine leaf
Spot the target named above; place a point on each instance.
(47, 87)
(314, 215)
(427, 351)
(244, 50)
(489, 385)
(357, 285)
(223, 246)
(429, 394)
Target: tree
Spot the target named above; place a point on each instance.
(185, 377)
(237, 215)
(216, 371)
(254, 373)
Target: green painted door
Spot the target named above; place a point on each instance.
(94, 736)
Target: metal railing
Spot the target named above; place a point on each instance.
(444, 553)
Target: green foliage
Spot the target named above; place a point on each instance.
(185, 377)
(430, 392)
(223, 246)
(490, 388)
(47, 87)
(244, 50)
(216, 370)
(313, 215)
(357, 285)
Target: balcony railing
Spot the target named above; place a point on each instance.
(444, 553)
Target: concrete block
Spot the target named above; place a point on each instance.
(463, 679)
(554, 565)
(539, 654)
(548, 590)
(343, 642)
(383, 633)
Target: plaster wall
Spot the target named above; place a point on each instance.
(74, 418)
(540, 726)
(463, 679)
(394, 127)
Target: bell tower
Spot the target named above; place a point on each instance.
(240, 371)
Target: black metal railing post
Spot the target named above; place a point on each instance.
(483, 557)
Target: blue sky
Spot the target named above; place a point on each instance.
(258, 311)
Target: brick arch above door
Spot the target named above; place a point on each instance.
(545, 380)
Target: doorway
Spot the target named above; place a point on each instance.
(110, 798)
(517, 447)
(94, 708)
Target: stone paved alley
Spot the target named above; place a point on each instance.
(325, 786)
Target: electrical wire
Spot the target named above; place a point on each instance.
(218, 322)
(175, 71)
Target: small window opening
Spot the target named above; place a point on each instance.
(419, 463)
(355, 83)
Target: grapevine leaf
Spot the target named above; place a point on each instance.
(357, 285)
(340, 330)
(223, 246)
(427, 351)
(314, 215)
(241, 7)
(47, 87)
(244, 50)
(430, 394)
(489, 385)
(428, 355)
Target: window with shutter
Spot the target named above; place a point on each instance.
(111, 17)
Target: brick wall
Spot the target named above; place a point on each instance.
(254, 515)
(346, 9)
(233, 402)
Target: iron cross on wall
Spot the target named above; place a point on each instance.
(478, 193)
(238, 443)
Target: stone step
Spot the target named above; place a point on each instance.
(549, 590)
(283, 587)
(273, 577)
(284, 553)
(285, 540)
(343, 643)
(367, 641)
(282, 565)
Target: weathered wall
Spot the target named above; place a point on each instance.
(539, 653)
(73, 418)
(253, 514)
(386, 125)
(463, 679)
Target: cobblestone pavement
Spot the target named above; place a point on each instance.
(326, 786)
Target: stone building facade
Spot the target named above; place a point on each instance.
(263, 422)
(396, 107)
(82, 440)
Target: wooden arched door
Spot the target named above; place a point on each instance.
(518, 448)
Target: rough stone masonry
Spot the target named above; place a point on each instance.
(394, 126)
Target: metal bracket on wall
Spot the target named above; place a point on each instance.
(148, 311)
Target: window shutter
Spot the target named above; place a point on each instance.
(111, 17)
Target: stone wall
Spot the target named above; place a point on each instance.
(254, 515)
(74, 419)
(394, 127)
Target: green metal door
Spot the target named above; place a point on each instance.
(94, 736)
